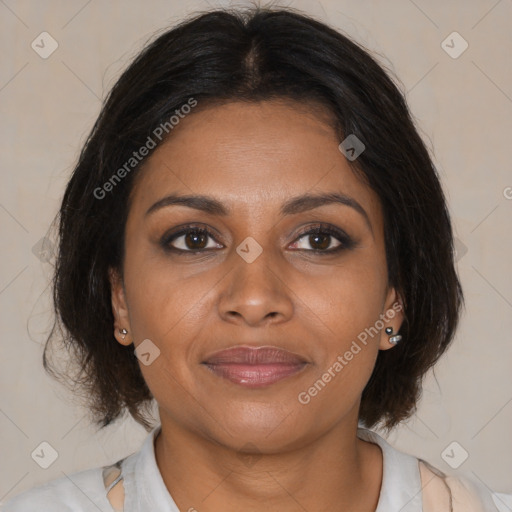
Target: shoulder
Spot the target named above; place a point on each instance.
(412, 484)
(91, 490)
(458, 493)
(82, 491)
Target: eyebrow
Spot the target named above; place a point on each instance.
(293, 206)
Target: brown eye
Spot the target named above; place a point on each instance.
(189, 239)
(196, 240)
(320, 241)
(321, 238)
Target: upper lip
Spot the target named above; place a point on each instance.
(243, 354)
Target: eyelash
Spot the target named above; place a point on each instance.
(321, 229)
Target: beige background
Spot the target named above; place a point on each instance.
(463, 108)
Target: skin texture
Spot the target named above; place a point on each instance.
(223, 446)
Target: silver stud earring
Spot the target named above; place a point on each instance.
(124, 332)
(393, 338)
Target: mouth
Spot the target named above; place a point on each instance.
(255, 367)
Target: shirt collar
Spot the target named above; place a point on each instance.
(401, 481)
(145, 488)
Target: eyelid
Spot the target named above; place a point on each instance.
(180, 231)
(346, 241)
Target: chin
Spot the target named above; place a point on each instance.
(270, 431)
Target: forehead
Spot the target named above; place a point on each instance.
(252, 157)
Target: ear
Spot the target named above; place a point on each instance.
(393, 316)
(119, 308)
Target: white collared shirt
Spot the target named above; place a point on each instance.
(145, 490)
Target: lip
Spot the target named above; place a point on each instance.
(244, 354)
(255, 366)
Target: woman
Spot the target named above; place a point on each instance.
(256, 238)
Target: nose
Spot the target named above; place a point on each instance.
(255, 293)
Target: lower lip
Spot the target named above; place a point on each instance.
(255, 375)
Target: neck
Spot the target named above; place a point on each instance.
(337, 471)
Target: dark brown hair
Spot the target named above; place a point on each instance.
(254, 55)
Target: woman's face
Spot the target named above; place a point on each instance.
(256, 279)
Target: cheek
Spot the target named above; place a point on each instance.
(350, 298)
(171, 304)
(161, 297)
(171, 308)
(349, 304)
(170, 300)
(165, 307)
